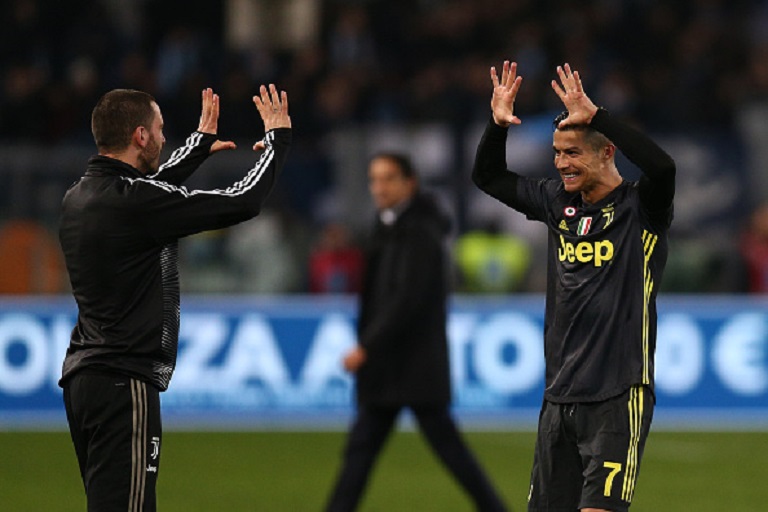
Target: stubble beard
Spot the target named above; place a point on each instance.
(149, 161)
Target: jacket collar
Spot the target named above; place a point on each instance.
(100, 165)
(388, 216)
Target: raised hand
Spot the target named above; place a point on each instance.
(273, 109)
(504, 94)
(209, 120)
(580, 108)
(209, 116)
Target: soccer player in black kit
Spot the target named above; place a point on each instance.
(607, 250)
(119, 228)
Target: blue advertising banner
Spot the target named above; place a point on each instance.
(275, 362)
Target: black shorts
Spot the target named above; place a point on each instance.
(588, 454)
(115, 426)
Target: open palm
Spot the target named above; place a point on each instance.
(580, 108)
(504, 94)
(209, 120)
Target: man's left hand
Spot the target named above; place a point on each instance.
(581, 110)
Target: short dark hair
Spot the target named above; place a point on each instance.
(407, 170)
(559, 118)
(116, 116)
(593, 137)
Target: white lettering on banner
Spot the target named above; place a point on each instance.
(333, 338)
(495, 356)
(30, 374)
(254, 356)
(201, 337)
(679, 354)
(519, 332)
(739, 356)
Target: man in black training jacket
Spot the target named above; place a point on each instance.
(401, 359)
(119, 229)
(607, 251)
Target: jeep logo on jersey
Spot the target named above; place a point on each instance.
(597, 252)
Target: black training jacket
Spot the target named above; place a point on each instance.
(119, 232)
(605, 262)
(402, 314)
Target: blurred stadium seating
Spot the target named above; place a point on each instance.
(397, 74)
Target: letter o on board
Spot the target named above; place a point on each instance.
(491, 338)
(29, 376)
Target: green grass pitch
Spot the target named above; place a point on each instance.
(293, 472)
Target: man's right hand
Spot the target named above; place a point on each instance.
(273, 109)
(354, 359)
(504, 94)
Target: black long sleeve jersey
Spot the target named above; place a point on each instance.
(604, 264)
(119, 230)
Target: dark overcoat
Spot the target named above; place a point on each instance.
(402, 316)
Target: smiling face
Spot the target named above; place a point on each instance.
(585, 163)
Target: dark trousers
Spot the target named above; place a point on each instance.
(369, 432)
(115, 426)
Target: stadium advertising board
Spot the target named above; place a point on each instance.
(255, 363)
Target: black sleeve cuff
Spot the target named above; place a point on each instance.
(494, 131)
(285, 134)
(600, 120)
(208, 139)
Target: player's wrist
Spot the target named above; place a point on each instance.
(595, 113)
(500, 122)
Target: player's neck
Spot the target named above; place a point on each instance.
(602, 189)
(128, 156)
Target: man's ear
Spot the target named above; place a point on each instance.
(609, 151)
(140, 136)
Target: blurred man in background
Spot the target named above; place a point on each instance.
(119, 229)
(401, 359)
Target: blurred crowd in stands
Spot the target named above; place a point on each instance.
(679, 68)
